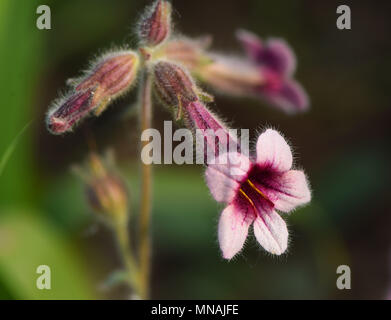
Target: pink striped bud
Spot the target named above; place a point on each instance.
(173, 85)
(176, 89)
(109, 78)
(155, 27)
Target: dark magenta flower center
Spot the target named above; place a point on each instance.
(255, 193)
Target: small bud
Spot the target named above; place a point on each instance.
(174, 86)
(106, 196)
(106, 192)
(109, 78)
(155, 27)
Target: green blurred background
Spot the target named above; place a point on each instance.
(342, 142)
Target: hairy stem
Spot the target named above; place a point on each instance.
(146, 192)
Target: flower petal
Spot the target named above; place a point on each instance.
(290, 96)
(233, 230)
(271, 232)
(279, 57)
(275, 55)
(224, 175)
(251, 43)
(273, 151)
(293, 191)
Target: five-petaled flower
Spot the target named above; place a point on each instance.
(254, 190)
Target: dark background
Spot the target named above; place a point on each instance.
(342, 142)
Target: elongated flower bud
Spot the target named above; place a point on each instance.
(105, 191)
(62, 117)
(155, 27)
(175, 87)
(110, 77)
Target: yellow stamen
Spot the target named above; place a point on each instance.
(257, 190)
(248, 199)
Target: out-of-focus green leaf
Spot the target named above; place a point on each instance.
(351, 181)
(20, 62)
(26, 242)
(8, 152)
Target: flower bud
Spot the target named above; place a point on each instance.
(155, 27)
(110, 77)
(107, 196)
(63, 116)
(174, 87)
(105, 191)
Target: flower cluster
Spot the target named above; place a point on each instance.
(252, 188)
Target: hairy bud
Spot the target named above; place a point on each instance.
(176, 89)
(64, 116)
(105, 191)
(111, 76)
(174, 86)
(155, 27)
(106, 196)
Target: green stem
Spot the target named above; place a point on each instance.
(123, 239)
(146, 192)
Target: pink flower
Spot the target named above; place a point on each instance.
(254, 190)
(277, 64)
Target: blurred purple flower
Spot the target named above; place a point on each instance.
(277, 63)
